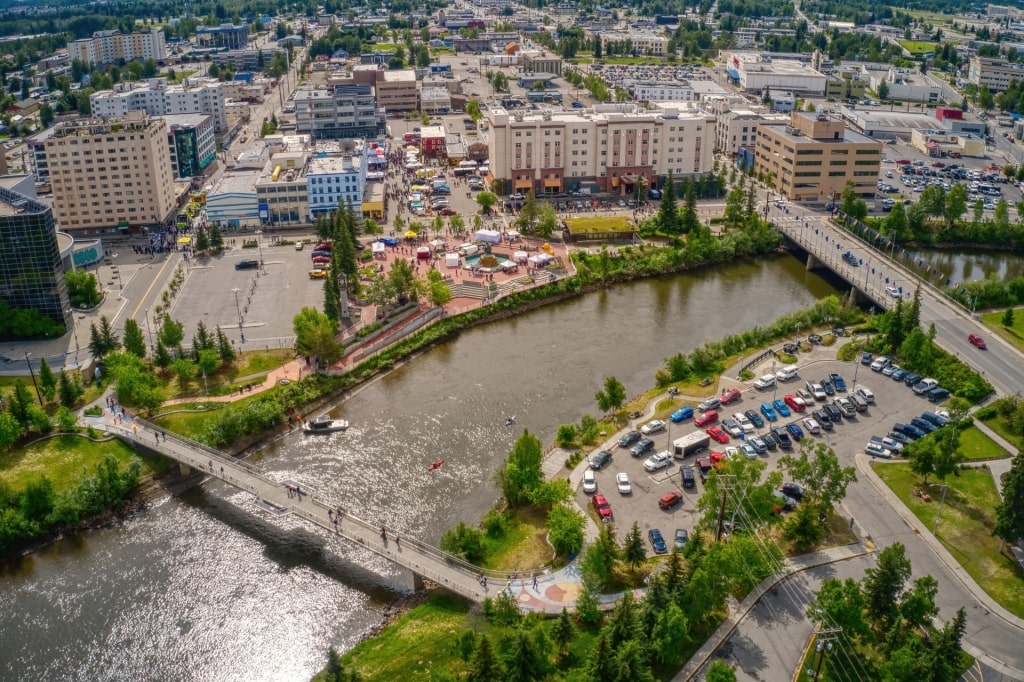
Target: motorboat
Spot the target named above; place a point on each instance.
(324, 424)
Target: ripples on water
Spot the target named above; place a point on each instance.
(202, 587)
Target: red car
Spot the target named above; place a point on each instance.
(903, 162)
(796, 403)
(447, 210)
(705, 418)
(977, 341)
(604, 510)
(731, 396)
(321, 260)
(669, 500)
(718, 434)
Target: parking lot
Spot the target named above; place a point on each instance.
(894, 402)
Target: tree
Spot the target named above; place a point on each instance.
(202, 240)
(803, 528)
(720, 671)
(547, 221)
(1007, 319)
(69, 390)
(985, 98)
(668, 212)
(473, 111)
(956, 204)
(1010, 512)
(438, 291)
(945, 661)
(883, 583)
(185, 370)
(20, 401)
(162, 357)
(10, 430)
(487, 200)
(563, 632)
(46, 115)
(840, 603)
(522, 471)
(224, 347)
(314, 337)
(102, 339)
(47, 382)
(134, 341)
(524, 662)
(613, 395)
(599, 559)
(485, 666)
(171, 333)
(882, 90)
(633, 551)
(817, 469)
(335, 671)
(853, 206)
(565, 529)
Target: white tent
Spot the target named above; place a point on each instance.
(520, 256)
(507, 265)
(540, 260)
(469, 249)
(492, 236)
(451, 260)
(378, 248)
(439, 244)
(512, 234)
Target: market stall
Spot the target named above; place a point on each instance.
(451, 260)
(490, 236)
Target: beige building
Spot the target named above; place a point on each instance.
(397, 91)
(110, 47)
(813, 157)
(110, 174)
(994, 73)
(607, 148)
(938, 143)
(282, 187)
(534, 61)
(640, 43)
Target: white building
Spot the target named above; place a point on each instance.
(155, 97)
(435, 100)
(111, 47)
(643, 44)
(232, 201)
(904, 84)
(754, 72)
(334, 181)
(660, 91)
(736, 122)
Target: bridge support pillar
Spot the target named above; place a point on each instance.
(812, 263)
(417, 583)
(185, 469)
(856, 296)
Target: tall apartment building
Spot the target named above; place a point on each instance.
(190, 143)
(111, 174)
(112, 47)
(282, 191)
(346, 111)
(157, 98)
(993, 72)
(226, 35)
(813, 157)
(31, 268)
(609, 147)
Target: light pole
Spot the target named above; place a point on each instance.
(39, 396)
(149, 328)
(938, 514)
(238, 309)
(74, 330)
(259, 245)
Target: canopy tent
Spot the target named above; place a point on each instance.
(184, 241)
(469, 249)
(540, 260)
(492, 236)
(412, 148)
(411, 235)
(413, 166)
(512, 234)
(520, 256)
(423, 253)
(379, 151)
(378, 248)
(451, 260)
(508, 265)
(439, 244)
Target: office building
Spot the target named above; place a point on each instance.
(396, 90)
(813, 157)
(191, 143)
(282, 193)
(114, 47)
(345, 111)
(435, 100)
(660, 91)
(637, 43)
(226, 35)
(31, 267)
(157, 98)
(534, 61)
(334, 181)
(756, 72)
(995, 73)
(606, 148)
(111, 175)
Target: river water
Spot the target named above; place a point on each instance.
(960, 267)
(204, 587)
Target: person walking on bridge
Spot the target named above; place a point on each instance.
(383, 534)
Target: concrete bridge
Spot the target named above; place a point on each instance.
(274, 498)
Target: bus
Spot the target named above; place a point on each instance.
(1004, 121)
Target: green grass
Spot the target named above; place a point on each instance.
(1002, 427)
(965, 528)
(592, 224)
(918, 46)
(195, 422)
(1013, 335)
(62, 459)
(975, 445)
(523, 546)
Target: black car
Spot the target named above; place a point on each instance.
(769, 441)
(924, 425)
(793, 490)
(834, 415)
(754, 418)
(687, 476)
(825, 421)
(247, 265)
(866, 358)
(598, 461)
(912, 379)
(829, 389)
(898, 437)
(782, 438)
(629, 438)
(642, 446)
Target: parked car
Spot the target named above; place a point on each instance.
(732, 427)
(705, 418)
(976, 341)
(912, 379)
(601, 506)
(654, 426)
(318, 274)
(657, 541)
(805, 396)
(717, 434)
(669, 500)
(623, 484)
(894, 446)
(754, 418)
(589, 481)
(795, 431)
(748, 450)
(876, 450)
(835, 415)
(680, 539)
(759, 445)
(812, 426)
(730, 396)
(899, 374)
(785, 501)
(598, 461)
(255, 264)
(817, 390)
(879, 363)
(744, 423)
(924, 425)
(642, 446)
(658, 461)
(858, 403)
(769, 441)
(838, 381)
(782, 437)
(866, 358)
(781, 407)
(629, 438)
(828, 387)
(889, 369)
(712, 403)
(898, 437)
(687, 476)
(793, 490)
(846, 407)
(769, 412)
(795, 403)
(937, 394)
(765, 382)
(824, 421)
(865, 393)
(924, 385)
(682, 414)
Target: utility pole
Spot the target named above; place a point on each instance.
(726, 483)
(823, 647)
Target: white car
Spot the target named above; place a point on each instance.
(658, 461)
(732, 452)
(744, 423)
(865, 393)
(893, 291)
(767, 381)
(876, 450)
(652, 427)
(589, 481)
(812, 426)
(622, 482)
(879, 363)
(818, 391)
(749, 451)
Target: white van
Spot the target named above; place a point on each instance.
(786, 374)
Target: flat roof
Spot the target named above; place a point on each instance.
(400, 75)
(236, 182)
(333, 164)
(848, 137)
(890, 119)
(185, 120)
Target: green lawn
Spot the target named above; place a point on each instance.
(975, 445)
(918, 46)
(591, 224)
(1000, 426)
(1013, 335)
(965, 528)
(523, 546)
(62, 459)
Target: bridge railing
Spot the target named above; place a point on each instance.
(214, 454)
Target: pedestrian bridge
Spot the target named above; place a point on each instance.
(273, 497)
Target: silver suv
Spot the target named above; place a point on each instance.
(712, 403)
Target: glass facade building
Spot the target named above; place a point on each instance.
(31, 271)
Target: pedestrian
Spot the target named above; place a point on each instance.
(164, 434)
(383, 533)
(398, 542)
(535, 582)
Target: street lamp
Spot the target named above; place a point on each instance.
(238, 309)
(39, 396)
(259, 245)
(74, 330)
(938, 514)
(149, 328)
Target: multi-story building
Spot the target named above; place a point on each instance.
(660, 91)
(111, 174)
(396, 90)
(35, 151)
(346, 111)
(994, 73)
(191, 143)
(334, 181)
(608, 147)
(535, 61)
(282, 193)
(157, 98)
(246, 59)
(226, 35)
(435, 100)
(736, 122)
(756, 72)
(112, 47)
(640, 43)
(813, 157)
(31, 267)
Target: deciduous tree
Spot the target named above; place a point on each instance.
(613, 395)
(818, 470)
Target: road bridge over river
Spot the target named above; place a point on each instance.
(273, 497)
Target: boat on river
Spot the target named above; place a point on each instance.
(324, 424)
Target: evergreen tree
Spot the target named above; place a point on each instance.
(602, 661)
(622, 624)
(668, 212)
(1007, 320)
(216, 237)
(47, 382)
(202, 339)
(332, 302)
(524, 662)
(224, 347)
(96, 346)
(883, 583)
(633, 551)
(20, 402)
(631, 663)
(1010, 511)
(202, 241)
(162, 357)
(485, 666)
(134, 341)
(563, 633)
(69, 390)
(108, 337)
(691, 219)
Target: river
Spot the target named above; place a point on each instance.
(204, 587)
(962, 266)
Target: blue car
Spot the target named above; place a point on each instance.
(781, 407)
(795, 431)
(769, 412)
(657, 541)
(838, 381)
(682, 414)
(899, 375)
(388, 241)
